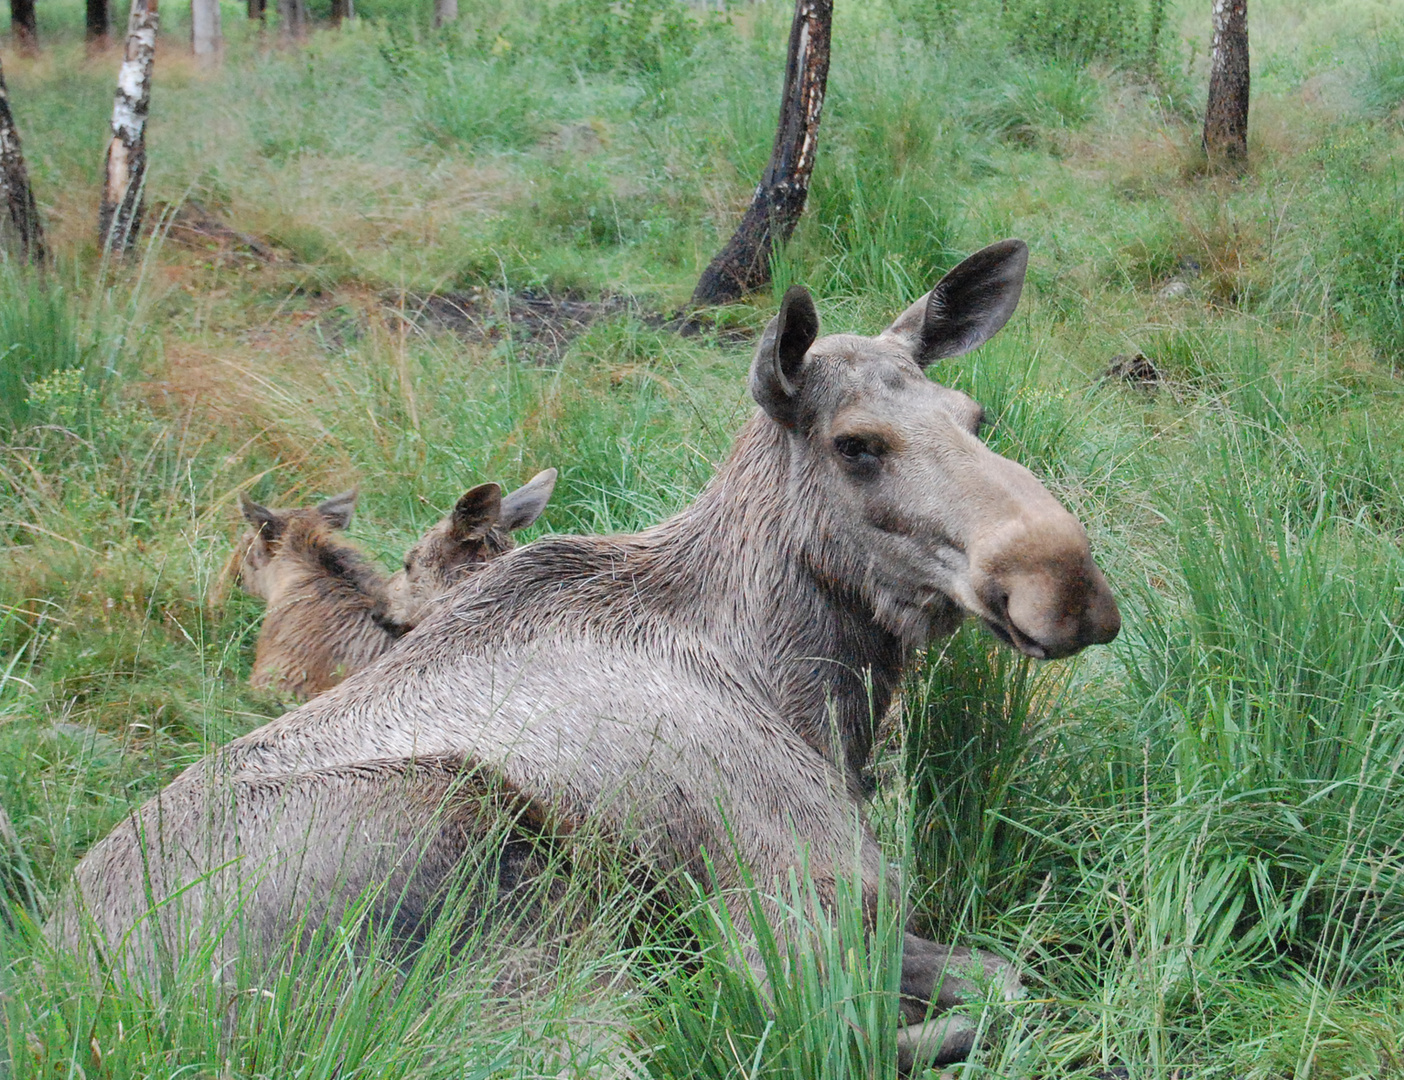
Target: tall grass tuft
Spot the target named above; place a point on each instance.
(39, 337)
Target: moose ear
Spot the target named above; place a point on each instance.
(967, 307)
(780, 355)
(268, 524)
(337, 510)
(524, 505)
(476, 512)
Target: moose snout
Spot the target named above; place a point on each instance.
(1041, 590)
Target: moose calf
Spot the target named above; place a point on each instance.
(330, 609)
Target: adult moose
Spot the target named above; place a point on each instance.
(705, 687)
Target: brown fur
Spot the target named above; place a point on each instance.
(331, 611)
(703, 692)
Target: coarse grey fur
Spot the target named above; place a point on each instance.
(331, 611)
(706, 687)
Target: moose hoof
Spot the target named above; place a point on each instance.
(934, 1042)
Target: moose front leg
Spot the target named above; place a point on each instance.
(935, 979)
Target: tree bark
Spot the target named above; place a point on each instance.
(123, 192)
(445, 12)
(24, 25)
(1226, 117)
(342, 9)
(206, 34)
(258, 9)
(744, 264)
(292, 19)
(98, 23)
(21, 221)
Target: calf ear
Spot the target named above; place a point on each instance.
(967, 307)
(268, 524)
(337, 510)
(780, 356)
(524, 505)
(476, 512)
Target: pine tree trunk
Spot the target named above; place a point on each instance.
(123, 194)
(24, 26)
(21, 221)
(1226, 118)
(744, 264)
(98, 24)
(258, 9)
(445, 12)
(292, 19)
(342, 9)
(206, 34)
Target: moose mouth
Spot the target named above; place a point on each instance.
(1020, 642)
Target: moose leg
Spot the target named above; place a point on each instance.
(936, 978)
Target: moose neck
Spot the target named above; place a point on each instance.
(748, 561)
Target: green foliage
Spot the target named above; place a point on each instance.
(1382, 88)
(1039, 101)
(1371, 267)
(44, 365)
(1123, 31)
(637, 36)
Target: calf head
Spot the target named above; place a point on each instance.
(272, 531)
(915, 512)
(478, 530)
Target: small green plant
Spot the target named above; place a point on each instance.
(1123, 31)
(39, 337)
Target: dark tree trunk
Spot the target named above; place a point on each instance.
(342, 9)
(24, 26)
(258, 9)
(98, 24)
(292, 18)
(1226, 118)
(123, 191)
(744, 264)
(21, 220)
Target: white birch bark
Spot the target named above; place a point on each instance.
(119, 214)
(206, 34)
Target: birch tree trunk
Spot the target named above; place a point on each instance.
(97, 24)
(21, 222)
(24, 26)
(445, 12)
(744, 264)
(1226, 117)
(206, 35)
(292, 19)
(123, 195)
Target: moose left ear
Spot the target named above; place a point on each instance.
(967, 307)
(780, 355)
(477, 511)
(338, 509)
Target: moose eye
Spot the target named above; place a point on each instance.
(859, 449)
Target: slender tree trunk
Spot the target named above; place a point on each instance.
(258, 9)
(1226, 118)
(24, 26)
(445, 12)
(98, 24)
(342, 9)
(123, 192)
(292, 19)
(21, 221)
(206, 35)
(744, 264)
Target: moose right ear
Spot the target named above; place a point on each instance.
(780, 356)
(524, 505)
(337, 510)
(268, 524)
(477, 511)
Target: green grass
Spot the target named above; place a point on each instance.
(1190, 840)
